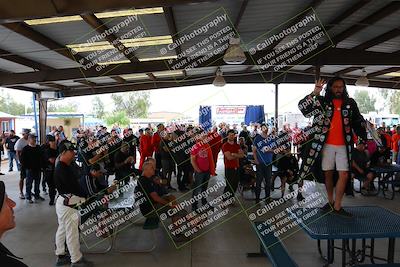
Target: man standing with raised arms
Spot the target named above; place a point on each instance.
(336, 119)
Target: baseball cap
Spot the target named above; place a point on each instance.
(31, 135)
(2, 194)
(25, 131)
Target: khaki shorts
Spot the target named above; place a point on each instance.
(334, 156)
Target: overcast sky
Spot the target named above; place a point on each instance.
(186, 100)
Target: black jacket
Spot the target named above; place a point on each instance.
(321, 110)
(7, 259)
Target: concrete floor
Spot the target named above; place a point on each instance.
(225, 245)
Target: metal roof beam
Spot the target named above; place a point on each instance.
(24, 30)
(389, 9)
(382, 72)
(289, 77)
(330, 57)
(23, 61)
(379, 39)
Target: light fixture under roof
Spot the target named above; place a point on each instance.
(168, 73)
(362, 80)
(101, 15)
(158, 74)
(140, 59)
(158, 58)
(114, 62)
(234, 54)
(392, 74)
(134, 42)
(219, 80)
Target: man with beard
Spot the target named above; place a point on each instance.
(336, 116)
(232, 154)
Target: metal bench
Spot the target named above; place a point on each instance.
(273, 248)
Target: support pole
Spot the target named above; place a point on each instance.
(276, 105)
(35, 114)
(317, 71)
(42, 120)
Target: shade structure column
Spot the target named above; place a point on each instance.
(276, 105)
(42, 120)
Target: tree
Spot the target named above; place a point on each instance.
(62, 107)
(10, 106)
(394, 99)
(395, 102)
(135, 104)
(365, 102)
(98, 107)
(119, 118)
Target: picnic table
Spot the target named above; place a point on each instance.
(387, 178)
(368, 223)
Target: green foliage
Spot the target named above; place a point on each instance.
(10, 106)
(119, 118)
(135, 104)
(365, 102)
(98, 107)
(394, 102)
(62, 107)
(392, 98)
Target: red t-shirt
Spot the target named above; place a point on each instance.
(395, 142)
(201, 154)
(145, 145)
(388, 140)
(336, 134)
(155, 142)
(233, 148)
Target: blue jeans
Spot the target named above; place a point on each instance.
(12, 155)
(32, 176)
(200, 185)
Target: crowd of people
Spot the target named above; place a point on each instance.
(79, 167)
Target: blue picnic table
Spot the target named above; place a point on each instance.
(387, 179)
(368, 223)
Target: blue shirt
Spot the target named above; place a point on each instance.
(262, 143)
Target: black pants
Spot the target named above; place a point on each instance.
(184, 172)
(264, 173)
(49, 178)
(157, 157)
(22, 173)
(232, 180)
